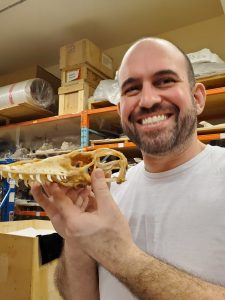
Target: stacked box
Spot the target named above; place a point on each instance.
(82, 71)
(84, 51)
(83, 65)
(74, 97)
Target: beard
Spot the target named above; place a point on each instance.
(166, 140)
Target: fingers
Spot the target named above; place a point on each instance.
(61, 198)
(57, 200)
(100, 188)
(43, 200)
(108, 176)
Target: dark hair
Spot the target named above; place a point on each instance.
(190, 70)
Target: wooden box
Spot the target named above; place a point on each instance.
(29, 73)
(74, 98)
(22, 276)
(82, 71)
(84, 51)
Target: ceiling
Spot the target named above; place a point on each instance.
(32, 31)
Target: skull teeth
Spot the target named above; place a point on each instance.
(31, 177)
(38, 178)
(49, 177)
(58, 177)
(26, 182)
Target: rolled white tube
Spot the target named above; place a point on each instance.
(35, 91)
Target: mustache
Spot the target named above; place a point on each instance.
(158, 107)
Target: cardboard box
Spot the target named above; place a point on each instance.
(22, 276)
(84, 51)
(74, 98)
(29, 73)
(82, 71)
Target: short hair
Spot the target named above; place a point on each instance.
(190, 70)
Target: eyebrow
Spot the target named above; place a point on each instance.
(166, 72)
(159, 73)
(129, 81)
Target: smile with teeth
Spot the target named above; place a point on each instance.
(154, 119)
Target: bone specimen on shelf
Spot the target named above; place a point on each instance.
(72, 169)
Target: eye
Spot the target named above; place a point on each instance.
(132, 90)
(165, 82)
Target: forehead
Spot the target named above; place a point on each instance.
(148, 58)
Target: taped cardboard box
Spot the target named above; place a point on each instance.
(23, 276)
(85, 51)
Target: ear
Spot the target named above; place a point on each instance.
(199, 94)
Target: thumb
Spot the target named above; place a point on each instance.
(100, 188)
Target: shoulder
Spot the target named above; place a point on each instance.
(216, 152)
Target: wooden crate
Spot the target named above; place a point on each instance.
(22, 276)
(85, 51)
(82, 71)
(212, 82)
(74, 98)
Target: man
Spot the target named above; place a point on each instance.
(173, 244)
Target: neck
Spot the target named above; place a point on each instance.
(162, 163)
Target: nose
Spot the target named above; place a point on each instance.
(149, 95)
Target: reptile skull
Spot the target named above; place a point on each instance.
(72, 169)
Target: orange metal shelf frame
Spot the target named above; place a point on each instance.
(215, 97)
(39, 121)
(215, 91)
(30, 213)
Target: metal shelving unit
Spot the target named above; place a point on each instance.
(94, 122)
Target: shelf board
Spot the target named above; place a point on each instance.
(112, 146)
(213, 81)
(215, 104)
(210, 130)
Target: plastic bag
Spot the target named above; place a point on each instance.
(107, 90)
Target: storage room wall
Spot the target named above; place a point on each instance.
(207, 34)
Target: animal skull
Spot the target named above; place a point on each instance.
(72, 169)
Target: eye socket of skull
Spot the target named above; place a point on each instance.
(80, 160)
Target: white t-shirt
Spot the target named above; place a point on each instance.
(177, 216)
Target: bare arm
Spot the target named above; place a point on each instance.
(76, 274)
(148, 278)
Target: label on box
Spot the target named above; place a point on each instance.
(72, 75)
(107, 61)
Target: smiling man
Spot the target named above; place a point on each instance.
(159, 235)
(160, 100)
